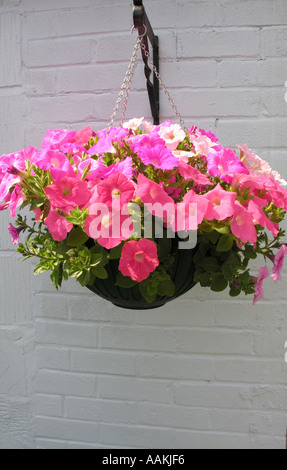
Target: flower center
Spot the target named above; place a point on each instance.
(106, 220)
(67, 191)
(55, 162)
(239, 220)
(116, 193)
(217, 201)
(221, 169)
(139, 256)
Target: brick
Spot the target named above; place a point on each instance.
(273, 102)
(53, 358)
(274, 42)
(135, 389)
(96, 19)
(173, 416)
(245, 371)
(99, 410)
(31, 5)
(179, 367)
(137, 338)
(41, 25)
(218, 43)
(220, 103)
(61, 333)
(215, 341)
(189, 74)
(215, 394)
(10, 49)
(120, 47)
(51, 306)
(249, 73)
(17, 276)
(40, 82)
(91, 78)
(48, 405)
(103, 362)
(204, 440)
(66, 429)
(64, 383)
(52, 52)
(91, 307)
(254, 13)
(136, 436)
(12, 119)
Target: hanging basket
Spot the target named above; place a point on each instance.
(240, 201)
(181, 273)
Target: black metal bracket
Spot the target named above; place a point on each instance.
(141, 22)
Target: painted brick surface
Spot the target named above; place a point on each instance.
(202, 372)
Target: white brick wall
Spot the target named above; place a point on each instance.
(202, 372)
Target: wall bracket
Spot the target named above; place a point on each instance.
(142, 24)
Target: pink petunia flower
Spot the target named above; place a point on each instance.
(133, 124)
(125, 167)
(242, 225)
(225, 164)
(83, 135)
(57, 225)
(278, 263)
(104, 145)
(190, 212)
(14, 232)
(202, 144)
(160, 157)
(68, 192)
(54, 139)
(56, 162)
(260, 218)
(95, 168)
(172, 135)
(139, 259)
(190, 173)
(107, 225)
(155, 199)
(221, 203)
(116, 186)
(259, 293)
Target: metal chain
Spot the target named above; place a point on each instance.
(125, 88)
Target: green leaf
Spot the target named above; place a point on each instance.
(84, 277)
(227, 272)
(41, 268)
(225, 243)
(116, 252)
(96, 259)
(205, 279)
(219, 283)
(100, 272)
(146, 291)
(125, 281)
(234, 292)
(57, 275)
(77, 237)
(213, 236)
(210, 264)
(166, 288)
(223, 230)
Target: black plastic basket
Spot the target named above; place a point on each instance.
(181, 273)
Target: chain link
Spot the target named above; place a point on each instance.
(125, 88)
